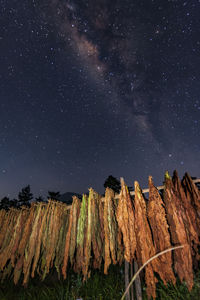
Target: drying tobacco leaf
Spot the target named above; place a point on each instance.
(190, 217)
(51, 233)
(68, 239)
(42, 269)
(60, 248)
(120, 247)
(161, 236)
(6, 232)
(107, 257)
(39, 242)
(144, 243)
(76, 211)
(10, 236)
(88, 236)
(18, 230)
(101, 218)
(112, 224)
(179, 236)
(22, 244)
(97, 243)
(46, 235)
(126, 222)
(30, 247)
(59, 226)
(96, 234)
(80, 234)
(3, 217)
(192, 194)
(110, 228)
(4, 227)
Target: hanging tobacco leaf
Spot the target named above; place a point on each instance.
(73, 236)
(41, 221)
(97, 243)
(144, 242)
(60, 248)
(107, 257)
(110, 228)
(22, 244)
(69, 239)
(80, 258)
(10, 237)
(179, 236)
(161, 236)
(30, 247)
(192, 194)
(126, 222)
(88, 236)
(190, 217)
(18, 230)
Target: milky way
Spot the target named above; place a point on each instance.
(110, 39)
(130, 45)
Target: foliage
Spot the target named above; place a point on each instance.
(25, 196)
(53, 195)
(39, 199)
(99, 287)
(5, 203)
(113, 183)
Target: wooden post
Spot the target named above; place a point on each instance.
(138, 287)
(131, 288)
(127, 279)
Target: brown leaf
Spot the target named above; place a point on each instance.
(161, 236)
(126, 222)
(179, 236)
(144, 242)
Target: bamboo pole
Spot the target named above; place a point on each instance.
(160, 187)
(144, 265)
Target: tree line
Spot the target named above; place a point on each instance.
(25, 196)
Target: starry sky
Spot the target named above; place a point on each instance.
(93, 88)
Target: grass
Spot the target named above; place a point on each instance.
(179, 291)
(98, 287)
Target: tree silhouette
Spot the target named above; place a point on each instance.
(53, 195)
(112, 183)
(39, 199)
(25, 196)
(5, 203)
(13, 203)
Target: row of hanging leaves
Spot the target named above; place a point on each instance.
(95, 230)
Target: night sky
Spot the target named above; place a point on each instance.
(95, 88)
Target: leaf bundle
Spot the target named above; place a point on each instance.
(144, 243)
(161, 236)
(178, 230)
(126, 222)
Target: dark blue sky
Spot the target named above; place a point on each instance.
(93, 88)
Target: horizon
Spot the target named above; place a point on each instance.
(44, 193)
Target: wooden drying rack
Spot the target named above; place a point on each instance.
(144, 191)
